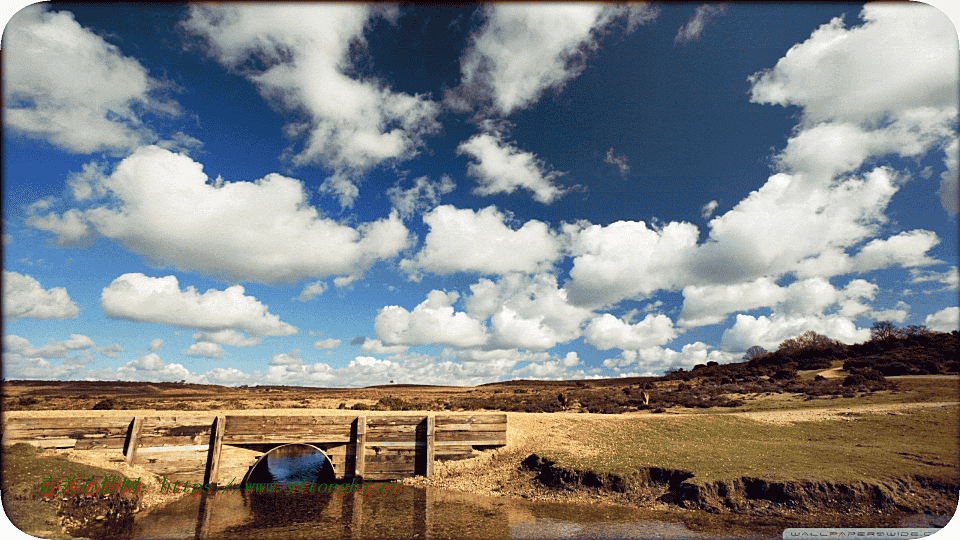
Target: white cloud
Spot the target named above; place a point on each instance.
(228, 337)
(70, 228)
(694, 27)
(284, 359)
(707, 210)
(608, 332)
(626, 259)
(945, 320)
(758, 237)
(375, 346)
(551, 369)
(659, 360)
(150, 368)
(524, 49)
(326, 344)
(311, 291)
(164, 208)
(431, 322)
(422, 196)
(205, 349)
(620, 161)
(112, 351)
(156, 344)
(140, 298)
(53, 349)
(950, 179)
(770, 332)
(710, 304)
(903, 58)
(25, 298)
(501, 167)
(66, 85)
(462, 240)
(306, 50)
(950, 278)
(528, 312)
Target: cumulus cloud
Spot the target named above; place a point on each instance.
(627, 259)
(25, 298)
(228, 337)
(326, 344)
(758, 237)
(156, 344)
(608, 332)
(526, 311)
(205, 349)
(431, 322)
(945, 320)
(375, 346)
(305, 50)
(163, 207)
(695, 26)
(111, 351)
(464, 240)
(660, 359)
(140, 298)
(423, 195)
(501, 167)
(66, 85)
(903, 58)
(53, 349)
(524, 49)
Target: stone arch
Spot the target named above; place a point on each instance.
(329, 462)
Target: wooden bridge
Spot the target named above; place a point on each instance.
(224, 447)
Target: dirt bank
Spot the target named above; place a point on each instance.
(654, 486)
(898, 480)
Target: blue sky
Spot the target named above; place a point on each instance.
(347, 195)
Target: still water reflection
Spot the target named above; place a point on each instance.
(421, 513)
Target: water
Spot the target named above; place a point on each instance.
(422, 513)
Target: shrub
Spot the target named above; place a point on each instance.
(105, 405)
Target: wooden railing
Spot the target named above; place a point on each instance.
(218, 448)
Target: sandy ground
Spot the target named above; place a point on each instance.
(493, 472)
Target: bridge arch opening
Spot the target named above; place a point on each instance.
(295, 462)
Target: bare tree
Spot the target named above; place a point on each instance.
(754, 352)
(883, 330)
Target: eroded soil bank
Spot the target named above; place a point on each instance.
(654, 486)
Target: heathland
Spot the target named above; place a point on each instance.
(816, 427)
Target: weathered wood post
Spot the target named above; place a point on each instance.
(431, 431)
(212, 473)
(360, 446)
(134, 444)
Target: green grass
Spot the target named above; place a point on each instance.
(874, 447)
(24, 468)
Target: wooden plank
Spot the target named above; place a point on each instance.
(374, 422)
(431, 449)
(359, 454)
(446, 419)
(192, 448)
(134, 443)
(390, 459)
(99, 444)
(212, 472)
(473, 427)
(485, 437)
(377, 468)
(260, 438)
(71, 422)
